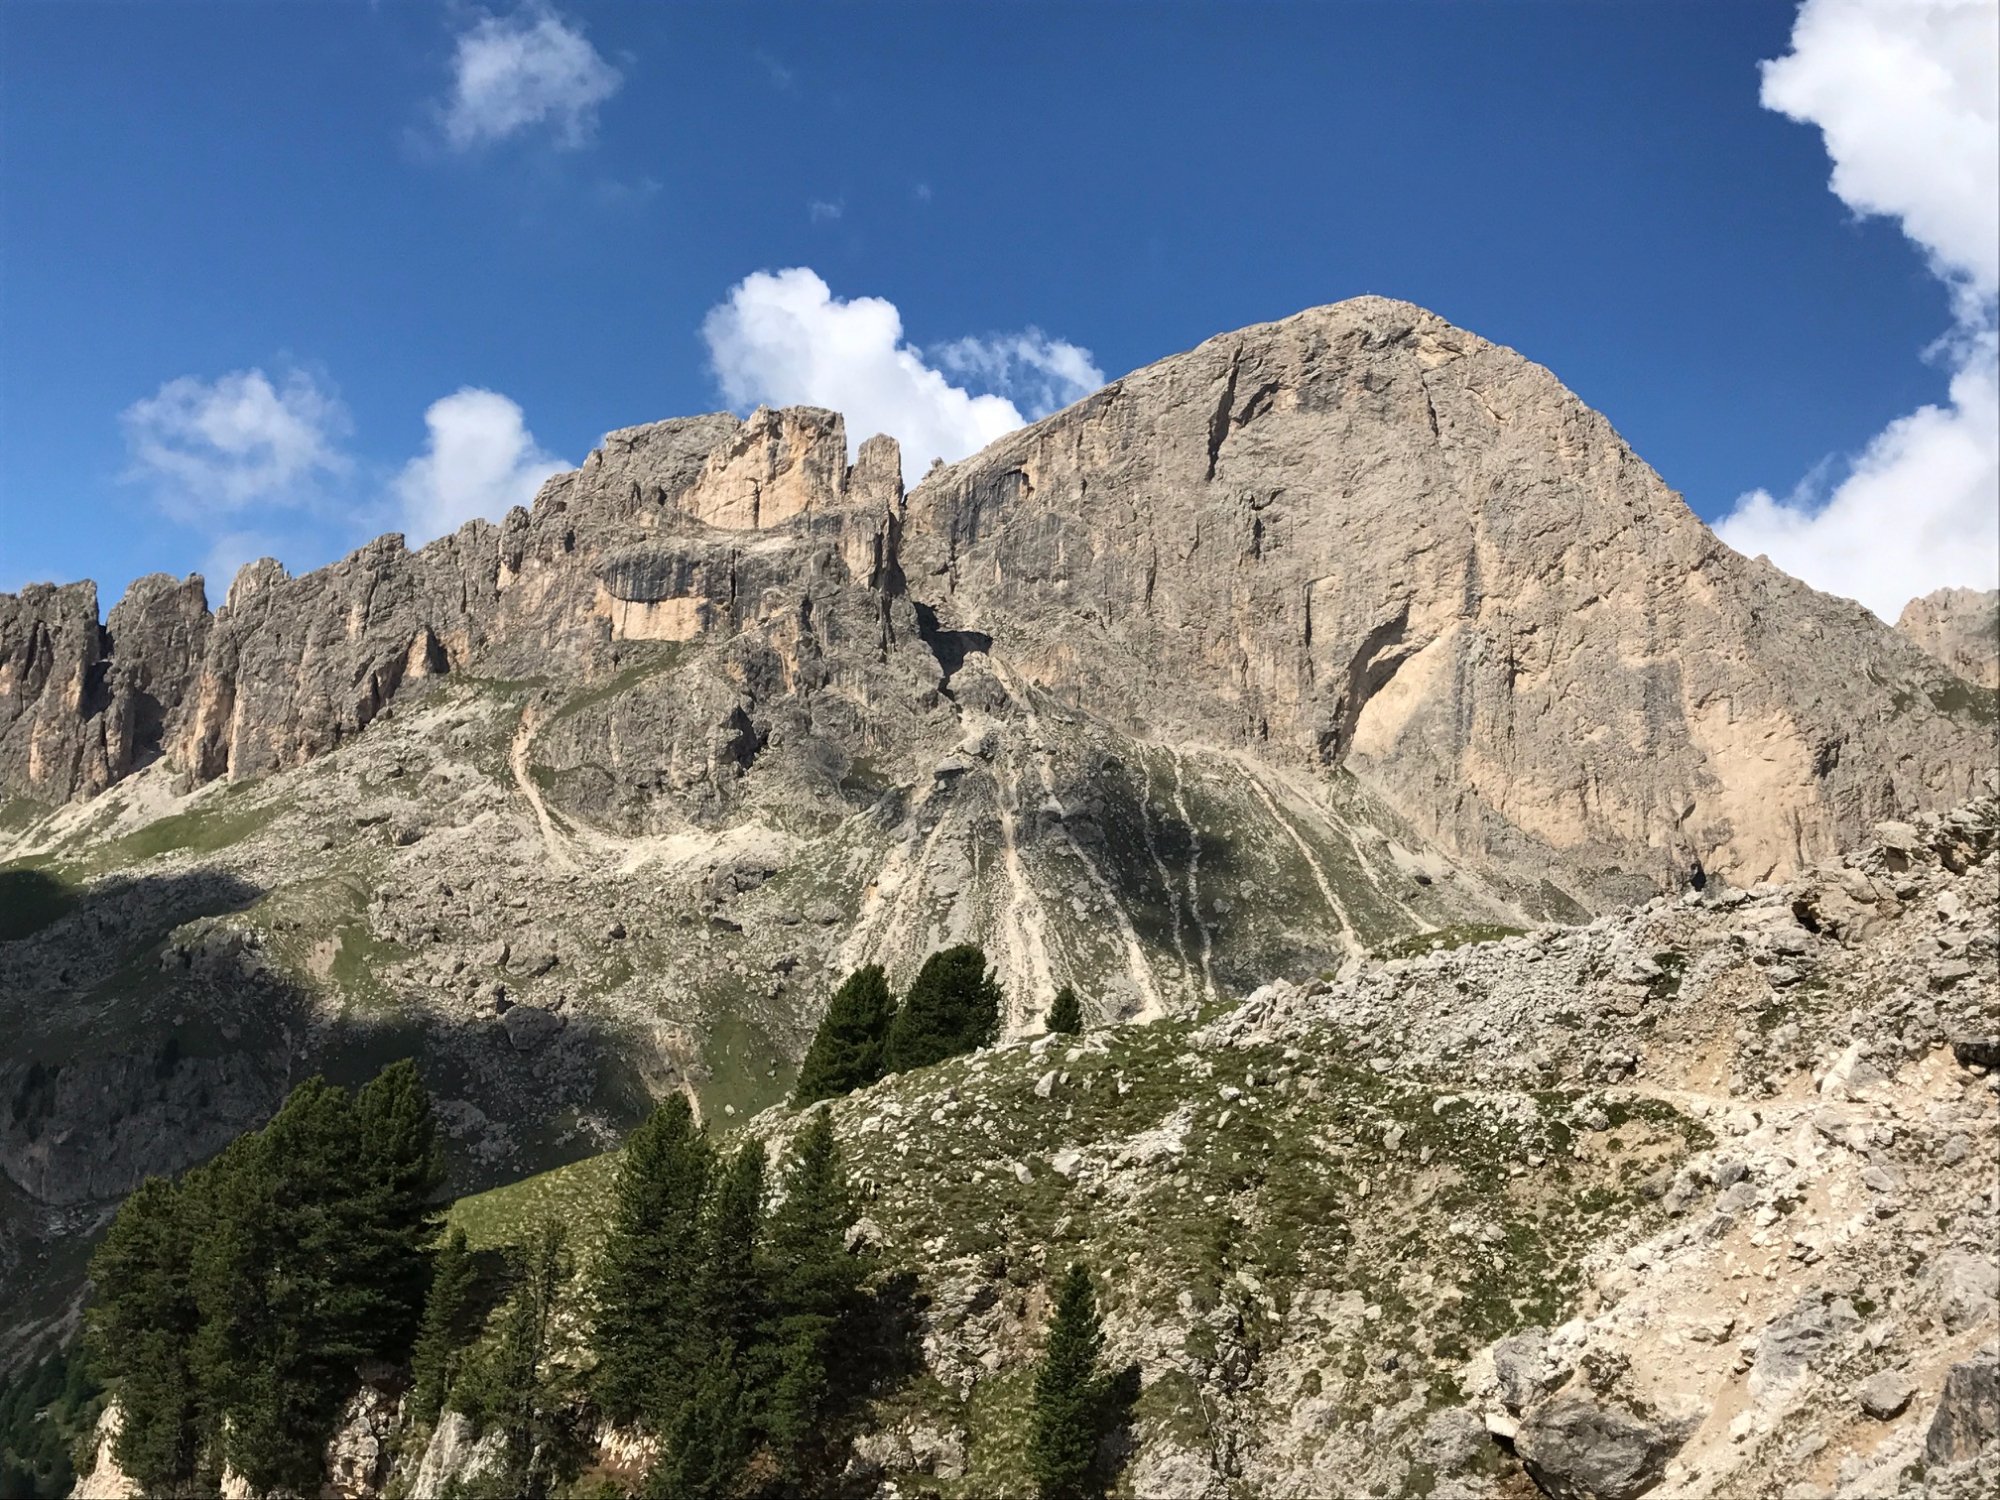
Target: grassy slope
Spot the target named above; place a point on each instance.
(1289, 1195)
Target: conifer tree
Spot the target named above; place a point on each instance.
(711, 1439)
(848, 1050)
(142, 1323)
(1069, 1392)
(511, 1390)
(399, 1169)
(283, 1318)
(647, 1332)
(814, 1286)
(447, 1328)
(730, 1293)
(1065, 1013)
(953, 1006)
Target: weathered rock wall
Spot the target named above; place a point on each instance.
(643, 542)
(1364, 537)
(1961, 628)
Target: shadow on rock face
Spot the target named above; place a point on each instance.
(146, 1029)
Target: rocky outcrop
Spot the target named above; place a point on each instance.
(1967, 1420)
(1364, 537)
(641, 543)
(1580, 1449)
(1961, 628)
(1360, 538)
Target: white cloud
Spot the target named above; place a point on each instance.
(1041, 373)
(211, 448)
(480, 461)
(822, 212)
(1917, 512)
(527, 70)
(782, 339)
(1906, 96)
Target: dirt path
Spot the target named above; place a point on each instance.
(517, 761)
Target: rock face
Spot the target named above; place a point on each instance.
(1364, 537)
(1967, 1420)
(1961, 628)
(1358, 538)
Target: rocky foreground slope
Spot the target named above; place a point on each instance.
(1328, 633)
(1697, 1199)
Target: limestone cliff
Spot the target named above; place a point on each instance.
(1961, 628)
(1364, 537)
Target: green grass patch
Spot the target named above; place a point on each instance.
(200, 830)
(31, 898)
(579, 1194)
(747, 1071)
(1462, 936)
(654, 657)
(358, 963)
(1964, 700)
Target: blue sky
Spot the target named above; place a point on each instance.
(308, 223)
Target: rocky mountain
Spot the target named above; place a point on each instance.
(1327, 634)
(1961, 628)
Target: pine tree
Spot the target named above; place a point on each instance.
(952, 1007)
(509, 1389)
(399, 1171)
(730, 1293)
(283, 1317)
(711, 1439)
(848, 1050)
(447, 1327)
(1069, 1392)
(142, 1322)
(647, 1333)
(1065, 1013)
(814, 1287)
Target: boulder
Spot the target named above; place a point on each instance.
(1968, 1288)
(529, 1026)
(1968, 1412)
(1884, 1396)
(1452, 1440)
(1519, 1364)
(1580, 1449)
(1815, 1327)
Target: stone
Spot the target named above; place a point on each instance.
(529, 1026)
(1815, 1327)
(1577, 1448)
(1977, 1051)
(1967, 1284)
(1967, 1419)
(1452, 1440)
(1885, 1395)
(1519, 1365)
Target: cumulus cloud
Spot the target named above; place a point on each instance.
(532, 69)
(1906, 97)
(480, 461)
(1041, 374)
(782, 338)
(211, 448)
